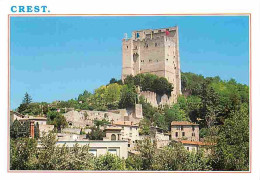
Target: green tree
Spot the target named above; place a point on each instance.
(109, 162)
(95, 134)
(232, 151)
(15, 129)
(23, 154)
(174, 113)
(56, 119)
(102, 122)
(176, 158)
(134, 162)
(145, 125)
(112, 95)
(27, 99)
(36, 131)
(147, 150)
(128, 97)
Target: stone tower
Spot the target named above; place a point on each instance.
(154, 51)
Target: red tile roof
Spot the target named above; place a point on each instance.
(113, 128)
(196, 143)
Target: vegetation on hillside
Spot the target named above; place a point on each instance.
(220, 107)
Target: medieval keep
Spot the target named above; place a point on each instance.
(156, 52)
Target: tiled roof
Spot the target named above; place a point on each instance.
(113, 128)
(183, 123)
(124, 123)
(196, 143)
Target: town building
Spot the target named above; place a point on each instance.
(98, 148)
(184, 130)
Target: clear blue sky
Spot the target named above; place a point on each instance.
(57, 58)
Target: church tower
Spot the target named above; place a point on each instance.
(156, 52)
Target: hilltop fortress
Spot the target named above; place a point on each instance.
(156, 52)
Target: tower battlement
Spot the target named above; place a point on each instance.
(154, 51)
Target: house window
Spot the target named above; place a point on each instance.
(93, 151)
(128, 145)
(130, 134)
(182, 128)
(155, 44)
(127, 47)
(113, 137)
(176, 134)
(112, 151)
(183, 133)
(188, 148)
(193, 128)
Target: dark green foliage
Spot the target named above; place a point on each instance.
(176, 158)
(36, 130)
(174, 113)
(19, 129)
(150, 82)
(113, 80)
(128, 97)
(27, 99)
(56, 119)
(95, 134)
(145, 125)
(232, 151)
(148, 109)
(109, 162)
(147, 151)
(220, 107)
(100, 123)
(15, 129)
(134, 162)
(34, 109)
(23, 154)
(159, 121)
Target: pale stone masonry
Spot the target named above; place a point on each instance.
(98, 148)
(156, 52)
(184, 130)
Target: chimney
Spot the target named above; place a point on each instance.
(32, 129)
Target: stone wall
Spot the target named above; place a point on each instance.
(86, 118)
(188, 132)
(155, 99)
